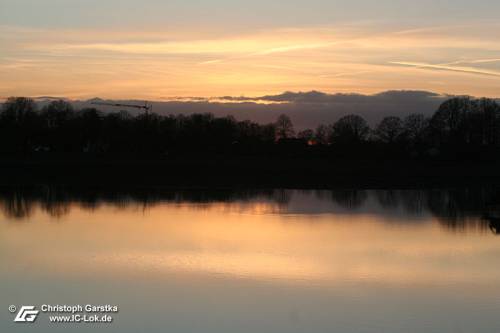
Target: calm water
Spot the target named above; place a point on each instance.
(255, 261)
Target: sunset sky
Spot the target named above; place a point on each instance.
(154, 49)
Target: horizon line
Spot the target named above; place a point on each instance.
(238, 99)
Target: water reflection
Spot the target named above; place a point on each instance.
(277, 261)
(457, 209)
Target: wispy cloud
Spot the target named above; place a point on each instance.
(345, 74)
(179, 62)
(290, 48)
(441, 67)
(210, 62)
(258, 44)
(271, 51)
(476, 61)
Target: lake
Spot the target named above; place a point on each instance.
(425, 260)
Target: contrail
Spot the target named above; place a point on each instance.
(459, 69)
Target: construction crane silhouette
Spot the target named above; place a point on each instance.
(147, 107)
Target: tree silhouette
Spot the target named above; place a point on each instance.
(18, 110)
(57, 113)
(465, 121)
(449, 123)
(415, 128)
(323, 134)
(462, 127)
(484, 122)
(350, 129)
(19, 125)
(284, 127)
(306, 135)
(389, 130)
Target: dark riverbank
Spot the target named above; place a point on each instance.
(257, 171)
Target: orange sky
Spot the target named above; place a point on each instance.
(199, 56)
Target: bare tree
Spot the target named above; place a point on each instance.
(415, 127)
(350, 129)
(389, 130)
(307, 134)
(18, 109)
(284, 127)
(323, 134)
(57, 112)
(449, 123)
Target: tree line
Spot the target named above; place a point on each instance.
(461, 124)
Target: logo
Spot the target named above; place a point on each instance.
(26, 314)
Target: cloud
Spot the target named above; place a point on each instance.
(246, 46)
(307, 109)
(476, 61)
(444, 67)
(289, 48)
(143, 64)
(318, 97)
(210, 62)
(271, 51)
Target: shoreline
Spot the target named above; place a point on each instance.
(245, 172)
